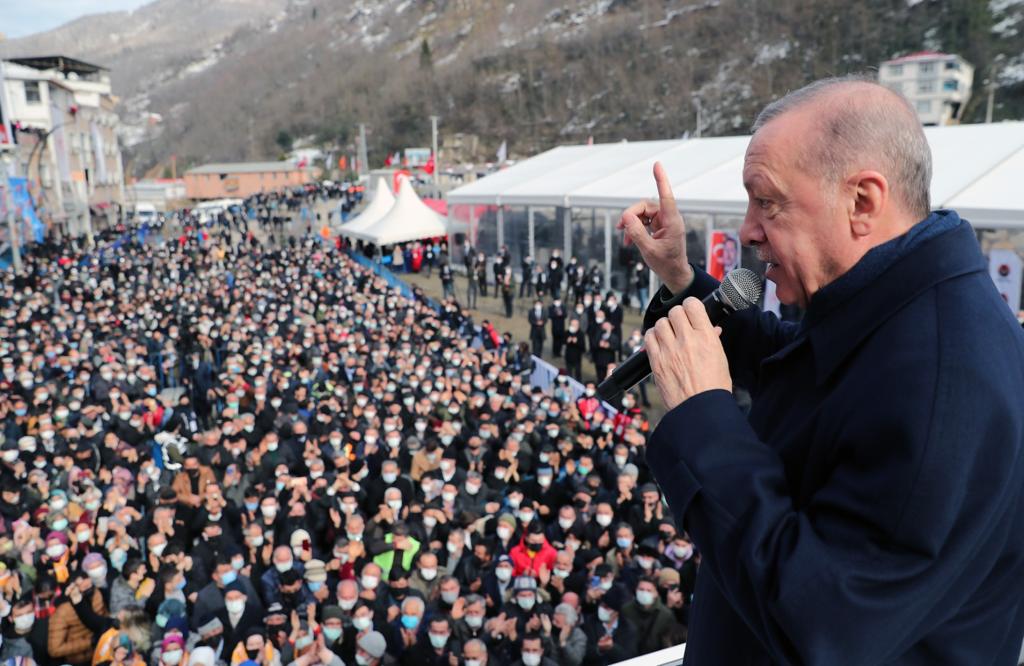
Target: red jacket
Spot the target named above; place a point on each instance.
(526, 563)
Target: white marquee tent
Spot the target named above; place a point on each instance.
(975, 166)
(408, 220)
(977, 169)
(382, 202)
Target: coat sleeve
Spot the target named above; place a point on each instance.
(748, 337)
(919, 479)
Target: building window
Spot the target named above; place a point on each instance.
(950, 84)
(926, 67)
(32, 95)
(924, 107)
(952, 65)
(896, 70)
(926, 86)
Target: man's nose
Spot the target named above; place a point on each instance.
(751, 231)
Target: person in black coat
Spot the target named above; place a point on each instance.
(556, 315)
(575, 348)
(538, 321)
(605, 349)
(907, 357)
(611, 638)
(556, 270)
(613, 313)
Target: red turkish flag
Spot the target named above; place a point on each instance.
(429, 166)
(387, 160)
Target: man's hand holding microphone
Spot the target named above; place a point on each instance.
(685, 353)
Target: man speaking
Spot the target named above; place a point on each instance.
(869, 508)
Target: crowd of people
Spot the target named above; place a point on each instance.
(221, 452)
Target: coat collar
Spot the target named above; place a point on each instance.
(857, 304)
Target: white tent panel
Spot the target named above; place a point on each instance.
(408, 220)
(382, 202)
(487, 190)
(683, 161)
(976, 168)
(549, 189)
(962, 154)
(994, 200)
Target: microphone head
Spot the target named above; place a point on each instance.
(741, 288)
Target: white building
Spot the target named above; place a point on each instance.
(62, 113)
(937, 84)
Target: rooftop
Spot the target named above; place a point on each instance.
(63, 64)
(243, 167)
(919, 55)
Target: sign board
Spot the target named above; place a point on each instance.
(723, 253)
(1004, 267)
(416, 157)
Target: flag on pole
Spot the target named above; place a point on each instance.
(503, 152)
(429, 166)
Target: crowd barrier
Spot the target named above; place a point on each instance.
(672, 656)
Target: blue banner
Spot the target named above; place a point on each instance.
(30, 229)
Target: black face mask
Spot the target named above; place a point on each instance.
(253, 653)
(399, 593)
(534, 547)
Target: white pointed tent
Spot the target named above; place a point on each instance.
(408, 220)
(382, 202)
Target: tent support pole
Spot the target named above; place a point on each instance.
(501, 225)
(607, 250)
(567, 232)
(530, 233)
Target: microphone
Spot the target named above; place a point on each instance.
(739, 290)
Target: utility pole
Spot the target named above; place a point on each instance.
(990, 83)
(364, 166)
(433, 144)
(700, 120)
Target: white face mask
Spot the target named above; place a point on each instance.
(283, 566)
(395, 505)
(531, 659)
(362, 623)
(504, 533)
(428, 574)
(603, 519)
(503, 574)
(370, 582)
(171, 657)
(604, 614)
(235, 606)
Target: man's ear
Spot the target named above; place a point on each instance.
(870, 198)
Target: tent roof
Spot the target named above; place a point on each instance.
(409, 219)
(968, 161)
(382, 202)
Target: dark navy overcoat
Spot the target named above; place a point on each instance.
(868, 510)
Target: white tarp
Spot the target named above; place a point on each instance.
(382, 202)
(976, 170)
(408, 220)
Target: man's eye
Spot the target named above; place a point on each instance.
(762, 203)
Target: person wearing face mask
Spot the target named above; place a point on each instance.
(70, 640)
(533, 553)
(538, 319)
(654, 623)
(575, 348)
(238, 616)
(611, 638)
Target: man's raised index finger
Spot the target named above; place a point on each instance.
(664, 186)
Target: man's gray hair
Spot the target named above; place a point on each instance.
(885, 135)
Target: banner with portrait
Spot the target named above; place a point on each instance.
(723, 252)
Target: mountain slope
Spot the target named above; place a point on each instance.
(236, 79)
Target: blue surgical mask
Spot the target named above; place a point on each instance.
(332, 634)
(314, 586)
(228, 577)
(252, 506)
(623, 542)
(410, 621)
